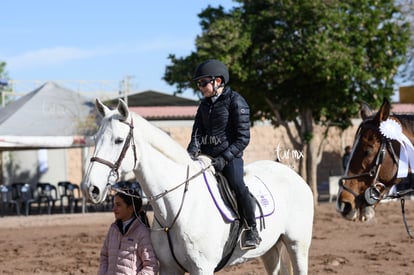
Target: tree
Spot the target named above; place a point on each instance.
(307, 62)
(4, 79)
(405, 74)
(2, 69)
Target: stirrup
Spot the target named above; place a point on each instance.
(242, 240)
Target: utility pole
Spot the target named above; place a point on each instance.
(125, 88)
(3, 84)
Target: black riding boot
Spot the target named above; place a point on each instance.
(252, 238)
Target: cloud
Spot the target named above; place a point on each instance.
(47, 57)
(56, 56)
(169, 44)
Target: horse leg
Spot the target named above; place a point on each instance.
(276, 260)
(299, 252)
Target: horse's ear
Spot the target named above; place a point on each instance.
(102, 109)
(365, 111)
(384, 111)
(123, 109)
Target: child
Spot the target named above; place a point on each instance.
(127, 248)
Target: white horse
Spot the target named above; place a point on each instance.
(189, 233)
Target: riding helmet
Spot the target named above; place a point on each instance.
(212, 68)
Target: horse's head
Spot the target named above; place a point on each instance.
(114, 151)
(371, 169)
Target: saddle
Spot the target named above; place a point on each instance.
(235, 229)
(230, 201)
(225, 201)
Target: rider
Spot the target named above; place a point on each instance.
(222, 130)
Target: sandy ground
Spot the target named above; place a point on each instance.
(70, 244)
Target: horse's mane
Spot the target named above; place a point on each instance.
(161, 141)
(407, 121)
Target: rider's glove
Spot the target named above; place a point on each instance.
(194, 155)
(219, 163)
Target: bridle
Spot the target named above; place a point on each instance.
(372, 194)
(375, 192)
(113, 174)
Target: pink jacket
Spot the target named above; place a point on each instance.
(131, 253)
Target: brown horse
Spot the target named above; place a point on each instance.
(375, 164)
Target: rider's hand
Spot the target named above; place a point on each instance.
(219, 163)
(194, 155)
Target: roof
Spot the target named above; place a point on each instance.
(49, 116)
(50, 110)
(165, 112)
(154, 105)
(402, 108)
(37, 142)
(153, 98)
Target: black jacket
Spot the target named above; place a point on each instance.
(221, 128)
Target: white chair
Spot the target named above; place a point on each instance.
(333, 187)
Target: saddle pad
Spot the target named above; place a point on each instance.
(256, 186)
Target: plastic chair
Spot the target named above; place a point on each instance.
(74, 198)
(63, 193)
(71, 192)
(23, 194)
(46, 194)
(7, 201)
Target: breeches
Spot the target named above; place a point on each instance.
(233, 172)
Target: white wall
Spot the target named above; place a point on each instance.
(23, 166)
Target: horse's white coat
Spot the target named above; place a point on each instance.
(200, 232)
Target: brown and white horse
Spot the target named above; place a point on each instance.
(380, 159)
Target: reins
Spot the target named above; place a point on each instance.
(156, 197)
(398, 195)
(407, 227)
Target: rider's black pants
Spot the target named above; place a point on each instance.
(234, 171)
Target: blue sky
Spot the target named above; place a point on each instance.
(99, 40)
